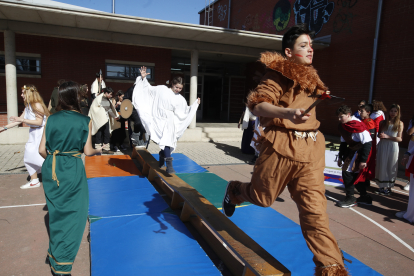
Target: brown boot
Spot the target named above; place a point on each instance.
(331, 270)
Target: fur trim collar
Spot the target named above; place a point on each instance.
(304, 76)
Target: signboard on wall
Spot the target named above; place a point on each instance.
(333, 173)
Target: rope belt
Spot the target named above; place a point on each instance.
(304, 134)
(76, 154)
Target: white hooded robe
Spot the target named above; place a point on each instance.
(164, 114)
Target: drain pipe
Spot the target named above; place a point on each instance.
(374, 55)
(228, 22)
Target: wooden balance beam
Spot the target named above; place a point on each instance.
(241, 254)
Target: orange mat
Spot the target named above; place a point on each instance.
(110, 165)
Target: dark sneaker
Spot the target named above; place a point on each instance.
(228, 208)
(349, 201)
(383, 191)
(107, 151)
(366, 199)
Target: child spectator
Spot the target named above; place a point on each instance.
(85, 100)
(118, 135)
(247, 122)
(358, 112)
(410, 131)
(408, 160)
(390, 133)
(377, 114)
(355, 152)
(100, 112)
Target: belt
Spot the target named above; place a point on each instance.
(304, 134)
(76, 154)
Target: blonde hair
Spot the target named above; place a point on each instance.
(33, 97)
(397, 119)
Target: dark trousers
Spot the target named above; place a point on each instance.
(138, 126)
(166, 152)
(119, 135)
(103, 136)
(349, 180)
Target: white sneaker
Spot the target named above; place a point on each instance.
(400, 214)
(407, 187)
(30, 185)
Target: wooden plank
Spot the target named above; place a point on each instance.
(176, 201)
(146, 169)
(186, 212)
(161, 184)
(152, 174)
(258, 260)
(248, 272)
(233, 263)
(137, 156)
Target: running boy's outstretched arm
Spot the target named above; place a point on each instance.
(264, 100)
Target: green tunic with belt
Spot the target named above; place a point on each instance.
(66, 187)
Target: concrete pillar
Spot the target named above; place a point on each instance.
(193, 82)
(11, 78)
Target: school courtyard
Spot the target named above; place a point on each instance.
(370, 234)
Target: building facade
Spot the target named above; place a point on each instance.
(42, 42)
(350, 27)
(43, 61)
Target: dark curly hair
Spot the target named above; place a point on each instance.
(289, 38)
(343, 109)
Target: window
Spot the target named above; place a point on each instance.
(24, 65)
(127, 71)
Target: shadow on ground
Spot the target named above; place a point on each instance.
(234, 152)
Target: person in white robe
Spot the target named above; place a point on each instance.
(97, 86)
(104, 119)
(34, 115)
(409, 213)
(164, 113)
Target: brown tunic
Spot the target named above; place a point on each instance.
(287, 84)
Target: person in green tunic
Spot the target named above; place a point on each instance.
(66, 135)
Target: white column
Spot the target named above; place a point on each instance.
(11, 78)
(193, 82)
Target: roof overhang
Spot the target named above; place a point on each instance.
(36, 19)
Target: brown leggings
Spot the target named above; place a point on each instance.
(305, 182)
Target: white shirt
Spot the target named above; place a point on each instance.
(362, 137)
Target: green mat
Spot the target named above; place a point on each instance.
(209, 185)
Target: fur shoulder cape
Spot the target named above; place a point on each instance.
(304, 76)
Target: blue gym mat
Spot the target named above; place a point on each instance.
(283, 239)
(124, 195)
(134, 232)
(183, 164)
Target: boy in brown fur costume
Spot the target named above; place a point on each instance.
(292, 151)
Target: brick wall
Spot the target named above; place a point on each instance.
(220, 14)
(79, 61)
(345, 66)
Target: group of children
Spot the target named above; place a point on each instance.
(369, 151)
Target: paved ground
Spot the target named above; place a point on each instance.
(355, 234)
(24, 238)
